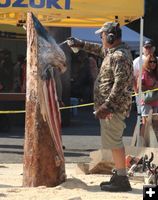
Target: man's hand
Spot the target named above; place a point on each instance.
(102, 112)
(74, 42)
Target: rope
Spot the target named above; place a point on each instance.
(70, 107)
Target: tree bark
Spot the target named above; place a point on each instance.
(39, 167)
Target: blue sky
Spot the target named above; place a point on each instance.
(89, 34)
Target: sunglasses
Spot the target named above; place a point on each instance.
(152, 61)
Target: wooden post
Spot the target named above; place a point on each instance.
(39, 150)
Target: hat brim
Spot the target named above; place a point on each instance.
(148, 45)
(103, 29)
(99, 31)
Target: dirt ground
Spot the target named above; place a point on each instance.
(78, 186)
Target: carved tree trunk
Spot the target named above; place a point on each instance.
(61, 34)
(39, 150)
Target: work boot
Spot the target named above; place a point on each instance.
(118, 184)
(114, 171)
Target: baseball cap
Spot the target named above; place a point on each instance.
(148, 43)
(108, 27)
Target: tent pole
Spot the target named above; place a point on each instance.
(140, 79)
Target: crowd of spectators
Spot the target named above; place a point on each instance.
(12, 75)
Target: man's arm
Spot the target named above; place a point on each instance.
(93, 48)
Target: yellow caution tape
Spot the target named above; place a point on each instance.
(62, 108)
(77, 106)
(69, 107)
(11, 111)
(153, 90)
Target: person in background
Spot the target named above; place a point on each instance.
(112, 97)
(149, 82)
(6, 84)
(23, 76)
(148, 48)
(6, 71)
(17, 73)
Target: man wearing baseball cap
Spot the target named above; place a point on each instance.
(148, 48)
(112, 97)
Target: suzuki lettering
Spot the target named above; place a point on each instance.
(34, 4)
